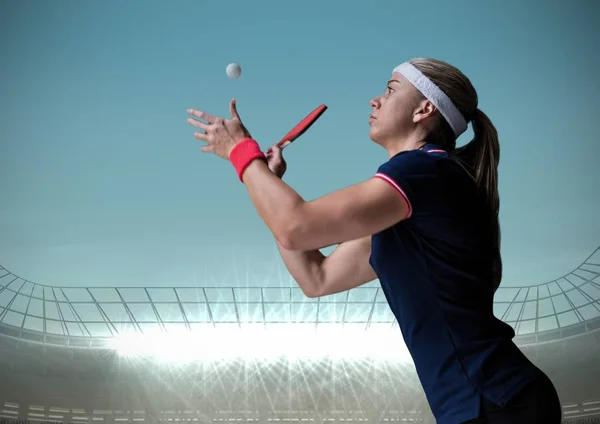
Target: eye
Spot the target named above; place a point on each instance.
(389, 89)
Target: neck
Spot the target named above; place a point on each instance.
(405, 144)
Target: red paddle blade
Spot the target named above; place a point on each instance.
(301, 128)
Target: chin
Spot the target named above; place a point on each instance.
(373, 136)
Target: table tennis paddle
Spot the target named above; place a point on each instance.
(301, 128)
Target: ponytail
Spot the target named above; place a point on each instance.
(481, 157)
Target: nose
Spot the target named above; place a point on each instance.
(375, 103)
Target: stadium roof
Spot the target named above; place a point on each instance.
(78, 316)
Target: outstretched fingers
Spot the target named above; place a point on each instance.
(202, 115)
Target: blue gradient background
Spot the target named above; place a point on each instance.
(103, 184)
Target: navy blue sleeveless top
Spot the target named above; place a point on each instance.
(435, 269)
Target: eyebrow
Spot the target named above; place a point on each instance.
(393, 80)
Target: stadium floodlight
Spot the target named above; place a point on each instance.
(291, 342)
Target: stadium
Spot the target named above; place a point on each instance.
(260, 354)
(121, 298)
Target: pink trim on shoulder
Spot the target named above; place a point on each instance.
(435, 151)
(398, 189)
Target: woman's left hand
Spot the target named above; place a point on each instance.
(220, 134)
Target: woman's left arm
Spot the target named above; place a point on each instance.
(357, 211)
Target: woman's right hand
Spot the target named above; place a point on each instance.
(276, 161)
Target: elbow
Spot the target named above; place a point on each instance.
(314, 285)
(290, 236)
(284, 241)
(289, 243)
(294, 230)
(310, 290)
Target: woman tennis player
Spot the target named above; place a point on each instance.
(426, 225)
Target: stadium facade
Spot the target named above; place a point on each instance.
(122, 354)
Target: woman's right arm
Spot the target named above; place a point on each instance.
(318, 275)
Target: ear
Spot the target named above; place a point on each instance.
(424, 110)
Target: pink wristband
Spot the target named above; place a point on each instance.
(243, 154)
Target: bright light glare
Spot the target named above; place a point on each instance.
(252, 343)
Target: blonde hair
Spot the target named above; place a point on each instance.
(481, 155)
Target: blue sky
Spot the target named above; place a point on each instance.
(103, 184)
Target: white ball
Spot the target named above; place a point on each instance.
(233, 70)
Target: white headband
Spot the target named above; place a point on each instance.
(436, 96)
